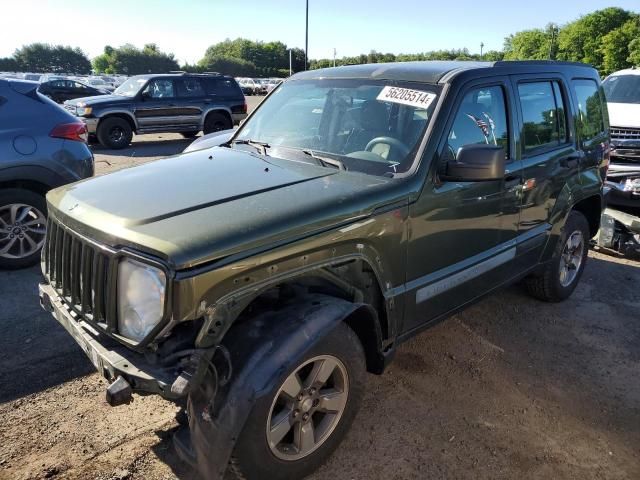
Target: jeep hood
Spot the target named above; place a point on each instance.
(204, 205)
(98, 99)
(624, 114)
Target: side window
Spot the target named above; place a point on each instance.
(225, 87)
(57, 83)
(159, 88)
(481, 118)
(590, 106)
(543, 116)
(79, 86)
(189, 87)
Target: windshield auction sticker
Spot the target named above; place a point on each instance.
(406, 96)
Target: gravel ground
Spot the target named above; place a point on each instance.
(512, 388)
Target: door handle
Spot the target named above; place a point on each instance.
(571, 161)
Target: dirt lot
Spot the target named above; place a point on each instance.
(512, 388)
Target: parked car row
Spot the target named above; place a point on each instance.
(258, 86)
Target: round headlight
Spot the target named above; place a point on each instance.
(141, 290)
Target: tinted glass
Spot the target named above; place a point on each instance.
(189, 87)
(160, 88)
(544, 123)
(226, 87)
(622, 89)
(481, 119)
(591, 121)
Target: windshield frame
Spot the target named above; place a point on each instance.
(420, 145)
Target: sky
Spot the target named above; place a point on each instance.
(187, 27)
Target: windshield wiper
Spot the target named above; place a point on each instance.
(325, 161)
(260, 146)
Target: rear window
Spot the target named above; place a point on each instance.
(591, 122)
(226, 87)
(543, 115)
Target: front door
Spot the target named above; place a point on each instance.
(462, 233)
(157, 107)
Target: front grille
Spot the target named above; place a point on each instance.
(82, 273)
(625, 133)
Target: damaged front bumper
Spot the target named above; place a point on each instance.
(127, 370)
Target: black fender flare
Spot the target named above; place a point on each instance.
(261, 351)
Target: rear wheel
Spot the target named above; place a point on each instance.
(561, 275)
(115, 133)
(293, 430)
(215, 122)
(23, 225)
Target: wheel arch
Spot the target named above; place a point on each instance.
(120, 114)
(591, 208)
(224, 111)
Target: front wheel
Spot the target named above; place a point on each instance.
(560, 276)
(23, 225)
(114, 132)
(293, 430)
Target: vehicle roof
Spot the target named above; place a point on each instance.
(148, 76)
(433, 71)
(626, 71)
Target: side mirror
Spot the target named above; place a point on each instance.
(145, 96)
(476, 163)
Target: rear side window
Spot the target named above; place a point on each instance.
(543, 116)
(189, 87)
(591, 122)
(226, 87)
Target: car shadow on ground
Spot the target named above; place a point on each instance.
(146, 148)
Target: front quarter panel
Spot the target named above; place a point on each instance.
(222, 292)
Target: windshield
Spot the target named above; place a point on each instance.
(131, 87)
(371, 126)
(622, 89)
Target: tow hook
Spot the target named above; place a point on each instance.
(119, 392)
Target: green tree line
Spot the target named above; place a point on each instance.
(608, 39)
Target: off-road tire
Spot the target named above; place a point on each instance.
(114, 133)
(27, 197)
(215, 122)
(545, 285)
(252, 457)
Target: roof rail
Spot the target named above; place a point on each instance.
(212, 73)
(539, 62)
(177, 71)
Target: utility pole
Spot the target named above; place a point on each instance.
(290, 64)
(306, 39)
(481, 47)
(552, 27)
(334, 57)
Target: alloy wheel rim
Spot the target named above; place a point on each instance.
(22, 230)
(307, 408)
(571, 258)
(117, 134)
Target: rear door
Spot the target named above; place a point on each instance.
(549, 152)
(192, 99)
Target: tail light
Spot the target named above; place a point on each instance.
(244, 108)
(76, 131)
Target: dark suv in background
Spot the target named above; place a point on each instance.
(183, 103)
(41, 147)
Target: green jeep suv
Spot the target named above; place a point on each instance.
(257, 280)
